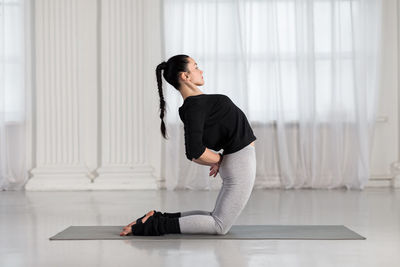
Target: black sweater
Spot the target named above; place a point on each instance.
(215, 122)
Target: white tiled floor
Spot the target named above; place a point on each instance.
(28, 219)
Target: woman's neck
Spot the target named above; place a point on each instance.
(189, 90)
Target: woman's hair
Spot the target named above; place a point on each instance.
(172, 68)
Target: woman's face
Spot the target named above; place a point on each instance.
(194, 73)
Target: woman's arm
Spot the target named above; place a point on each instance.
(208, 158)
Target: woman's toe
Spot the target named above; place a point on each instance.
(130, 225)
(151, 213)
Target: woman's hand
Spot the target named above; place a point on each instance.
(215, 167)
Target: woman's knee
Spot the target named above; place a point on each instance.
(221, 227)
(223, 230)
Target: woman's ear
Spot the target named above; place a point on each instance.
(183, 76)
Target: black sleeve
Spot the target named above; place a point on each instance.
(194, 125)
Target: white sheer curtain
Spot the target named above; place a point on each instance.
(14, 66)
(305, 72)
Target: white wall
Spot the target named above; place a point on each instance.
(95, 110)
(95, 113)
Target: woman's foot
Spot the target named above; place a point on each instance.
(128, 229)
(150, 213)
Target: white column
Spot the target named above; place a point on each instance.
(93, 98)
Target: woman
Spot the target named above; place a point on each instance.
(210, 121)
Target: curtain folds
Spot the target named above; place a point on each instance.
(305, 72)
(15, 48)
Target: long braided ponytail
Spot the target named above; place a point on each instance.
(171, 70)
(160, 67)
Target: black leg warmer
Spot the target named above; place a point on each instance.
(168, 215)
(156, 225)
(171, 215)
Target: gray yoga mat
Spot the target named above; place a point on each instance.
(246, 232)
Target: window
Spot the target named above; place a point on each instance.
(301, 53)
(11, 61)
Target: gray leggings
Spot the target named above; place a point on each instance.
(238, 172)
